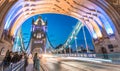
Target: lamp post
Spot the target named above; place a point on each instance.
(69, 49)
(64, 51)
(76, 44)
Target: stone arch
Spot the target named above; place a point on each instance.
(76, 5)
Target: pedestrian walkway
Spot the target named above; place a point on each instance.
(30, 65)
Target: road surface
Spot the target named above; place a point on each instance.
(56, 64)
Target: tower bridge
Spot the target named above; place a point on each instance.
(100, 17)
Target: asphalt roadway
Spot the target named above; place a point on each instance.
(57, 64)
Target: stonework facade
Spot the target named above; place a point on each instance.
(110, 45)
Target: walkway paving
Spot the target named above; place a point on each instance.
(30, 66)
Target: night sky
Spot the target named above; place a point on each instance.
(59, 28)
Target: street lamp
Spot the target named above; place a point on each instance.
(69, 49)
(64, 51)
(76, 44)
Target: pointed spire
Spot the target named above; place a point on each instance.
(39, 17)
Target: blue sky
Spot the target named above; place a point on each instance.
(59, 28)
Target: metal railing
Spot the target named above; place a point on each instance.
(112, 56)
(90, 55)
(19, 66)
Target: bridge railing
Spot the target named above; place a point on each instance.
(19, 66)
(90, 55)
(113, 56)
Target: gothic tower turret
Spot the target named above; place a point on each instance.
(38, 35)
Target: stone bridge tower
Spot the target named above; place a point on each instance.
(38, 36)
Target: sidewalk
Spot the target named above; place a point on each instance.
(30, 65)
